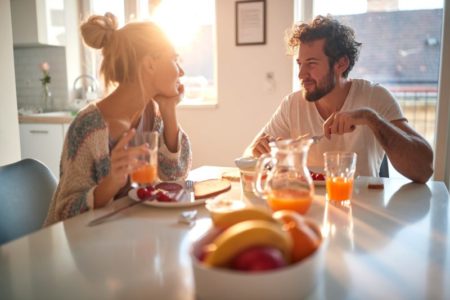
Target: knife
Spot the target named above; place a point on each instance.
(105, 217)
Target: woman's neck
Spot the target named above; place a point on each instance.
(123, 108)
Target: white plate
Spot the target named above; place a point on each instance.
(185, 201)
(319, 182)
(317, 170)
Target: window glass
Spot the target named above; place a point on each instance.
(401, 50)
(190, 25)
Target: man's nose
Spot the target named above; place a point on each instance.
(302, 73)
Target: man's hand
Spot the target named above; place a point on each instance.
(261, 145)
(346, 121)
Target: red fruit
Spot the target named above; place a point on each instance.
(320, 176)
(161, 197)
(150, 188)
(142, 193)
(257, 259)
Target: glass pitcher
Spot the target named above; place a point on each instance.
(282, 177)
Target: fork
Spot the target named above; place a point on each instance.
(190, 189)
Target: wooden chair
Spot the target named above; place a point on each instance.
(26, 189)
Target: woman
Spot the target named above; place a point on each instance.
(96, 160)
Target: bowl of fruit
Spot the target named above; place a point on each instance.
(253, 253)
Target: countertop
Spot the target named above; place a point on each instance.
(47, 119)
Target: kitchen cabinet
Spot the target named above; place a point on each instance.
(37, 22)
(43, 142)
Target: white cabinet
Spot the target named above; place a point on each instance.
(38, 22)
(43, 142)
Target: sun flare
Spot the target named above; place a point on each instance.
(181, 20)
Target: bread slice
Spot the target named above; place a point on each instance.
(210, 188)
(233, 176)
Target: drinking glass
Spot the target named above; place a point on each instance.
(340, 170)
(147, 173)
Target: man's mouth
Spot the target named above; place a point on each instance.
(308, 83)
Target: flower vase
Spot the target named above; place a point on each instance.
(46, 98)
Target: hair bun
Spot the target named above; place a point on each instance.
(97, 30)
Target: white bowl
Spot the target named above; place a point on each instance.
(292, 282)
(247, 163)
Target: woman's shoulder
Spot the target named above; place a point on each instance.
(88, 118)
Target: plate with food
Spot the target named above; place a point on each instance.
(174, 194)
(318, 176)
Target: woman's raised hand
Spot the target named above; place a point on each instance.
(170, 101)
(124, 159)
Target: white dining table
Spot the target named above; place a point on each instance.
(390, 243)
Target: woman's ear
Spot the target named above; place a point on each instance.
(148, 64)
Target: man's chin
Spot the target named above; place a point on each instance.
(311, 97)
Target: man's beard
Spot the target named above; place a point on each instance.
(323, 87)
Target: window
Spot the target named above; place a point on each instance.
(401, 50)
(190, 25)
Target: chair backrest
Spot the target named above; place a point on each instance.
(26, 189)
(384, 168)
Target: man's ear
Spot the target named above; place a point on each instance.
(341, 65)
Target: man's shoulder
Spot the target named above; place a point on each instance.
(294, 96)
(363, 84)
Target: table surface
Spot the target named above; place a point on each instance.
(389, 244)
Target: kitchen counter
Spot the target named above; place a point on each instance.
(47, 118)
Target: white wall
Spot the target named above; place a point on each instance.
(9, 124)
(219, 135)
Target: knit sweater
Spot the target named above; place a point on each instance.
(86, 160)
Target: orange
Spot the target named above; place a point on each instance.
(305, 235)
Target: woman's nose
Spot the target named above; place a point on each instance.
(180, 70)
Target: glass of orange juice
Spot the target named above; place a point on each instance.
(147, 173)
(340, 171)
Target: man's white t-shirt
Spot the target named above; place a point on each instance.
(296, 116)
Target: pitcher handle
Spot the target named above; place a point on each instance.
(260, 169)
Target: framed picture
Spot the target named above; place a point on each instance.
(250, 22)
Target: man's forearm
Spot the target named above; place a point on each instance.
(409, 153)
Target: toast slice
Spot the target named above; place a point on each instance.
(233, 176)
(210, 188)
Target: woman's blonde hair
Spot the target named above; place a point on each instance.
(122, 48)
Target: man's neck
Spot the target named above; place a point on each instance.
(335, 99)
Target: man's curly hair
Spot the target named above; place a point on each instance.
(339, 39)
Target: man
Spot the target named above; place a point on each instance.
(353, 114)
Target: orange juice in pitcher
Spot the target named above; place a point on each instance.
(288, 184)
(293, 199)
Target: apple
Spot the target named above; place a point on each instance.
(257, 259)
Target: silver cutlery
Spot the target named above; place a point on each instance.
(187, 217)
(190, 189)
(103, 218)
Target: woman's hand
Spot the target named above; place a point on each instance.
(168, 102)
(124, 159)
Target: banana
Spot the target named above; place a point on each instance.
(225, 220)
(244, 235)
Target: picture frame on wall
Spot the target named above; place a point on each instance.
(250, 22)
